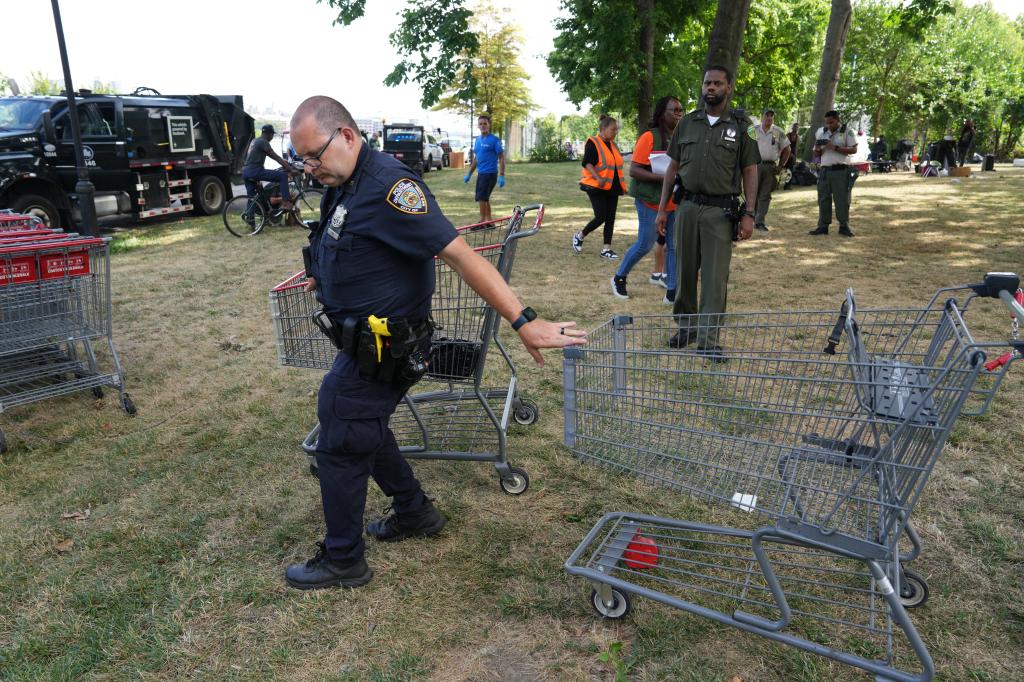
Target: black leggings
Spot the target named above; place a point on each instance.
(604, 204)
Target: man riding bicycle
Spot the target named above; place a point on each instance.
(254, 171)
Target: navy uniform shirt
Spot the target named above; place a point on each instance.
(373, 252)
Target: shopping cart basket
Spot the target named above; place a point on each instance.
(833, 449)
(458, 418)
(55, 304)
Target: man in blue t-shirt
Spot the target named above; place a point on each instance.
(489, 160)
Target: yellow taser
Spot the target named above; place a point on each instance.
(379, 327)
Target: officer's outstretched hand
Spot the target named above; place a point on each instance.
(543, 334)
(501, 181)
(465, 178)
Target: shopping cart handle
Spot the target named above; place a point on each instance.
(996, 282)
(536, 223)
(1016, 309)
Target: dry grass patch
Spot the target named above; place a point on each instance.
(198, 503)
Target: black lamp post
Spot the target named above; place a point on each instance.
(85, 190)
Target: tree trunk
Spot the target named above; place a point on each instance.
(831, 62)
(645, 10)
(726, 40)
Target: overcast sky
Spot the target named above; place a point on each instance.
(273, 53)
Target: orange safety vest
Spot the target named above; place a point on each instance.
(608, 166)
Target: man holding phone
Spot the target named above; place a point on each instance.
(835, 143)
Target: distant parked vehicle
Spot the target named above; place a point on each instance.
(411, 145)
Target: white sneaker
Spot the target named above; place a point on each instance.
(659, 278)
(609, 254)
(619, 287)
(577, 242)
(667, 300)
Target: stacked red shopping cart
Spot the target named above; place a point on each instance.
(55, 312)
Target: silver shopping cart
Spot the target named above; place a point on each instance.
(831, 448)
(55, 307)
(459, 418)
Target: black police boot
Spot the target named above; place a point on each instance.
(681, 338)
(423, 522)
(712, 353)
(322, 571)
(820, 230)
(845, 231)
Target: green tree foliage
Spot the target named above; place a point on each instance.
(596, 47)
(781, 49)
(40, 83)
(433, 39)
(493, 75)
(923, 79)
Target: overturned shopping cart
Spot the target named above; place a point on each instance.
(831, 447)
(55, 312)
(458, 417)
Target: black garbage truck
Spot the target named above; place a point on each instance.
(148, 155)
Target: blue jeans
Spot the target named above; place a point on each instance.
(250, 175)
(645, 242)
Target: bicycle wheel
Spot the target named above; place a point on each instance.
(307, 207)
(244, 217)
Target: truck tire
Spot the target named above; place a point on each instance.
(208, 195)
(429, 165)
(38, 206)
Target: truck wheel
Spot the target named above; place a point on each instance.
(40, 207)
(208, 195)
(429, 166)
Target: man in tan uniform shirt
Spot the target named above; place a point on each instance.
(774, 147)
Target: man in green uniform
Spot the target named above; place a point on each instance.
(835, 143)
(711, 150)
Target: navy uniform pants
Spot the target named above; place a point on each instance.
(356, 443)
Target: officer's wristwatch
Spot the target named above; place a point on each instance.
(528, 315)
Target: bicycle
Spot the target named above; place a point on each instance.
(246, 216)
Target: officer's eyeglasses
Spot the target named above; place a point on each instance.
(314, 161)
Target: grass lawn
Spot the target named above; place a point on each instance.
(197, 504)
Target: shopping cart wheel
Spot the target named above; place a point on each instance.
(526, 413)
(620, 605)
(516, 482)
(97, 391)
(913, 590)
(128, 404)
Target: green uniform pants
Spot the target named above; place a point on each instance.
(704, 244)
(834, 184)
(765, 186)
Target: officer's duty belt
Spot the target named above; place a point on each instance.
(769, 163)
(719, 200)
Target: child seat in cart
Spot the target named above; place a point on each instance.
(831, 449)
(456, 412)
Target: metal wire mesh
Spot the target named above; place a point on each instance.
(771, 424)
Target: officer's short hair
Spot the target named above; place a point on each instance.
(832, 114)
(267, 129)
(329, 114)
(768, 111)
(723, 69)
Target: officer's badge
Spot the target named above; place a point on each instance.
(730, 134)
(752, 132)
(407, 197)
(337, 221)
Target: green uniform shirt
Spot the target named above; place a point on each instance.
(707, 154)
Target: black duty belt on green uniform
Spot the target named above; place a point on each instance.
(719, 200)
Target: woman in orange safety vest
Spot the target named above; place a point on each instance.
(601, 178)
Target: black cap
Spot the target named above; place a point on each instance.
(268, 128)
(768, 110)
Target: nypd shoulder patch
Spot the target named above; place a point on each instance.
(407, 197)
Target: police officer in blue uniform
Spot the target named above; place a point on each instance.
(372, 255)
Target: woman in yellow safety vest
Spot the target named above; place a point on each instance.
(601, 178)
